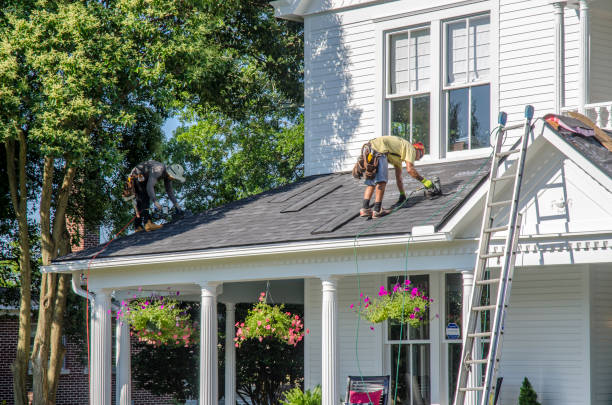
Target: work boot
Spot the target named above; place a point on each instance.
(381, 213)
(365, 212)
(150, 226)
(139, 229)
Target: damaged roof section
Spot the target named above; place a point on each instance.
(313, 208)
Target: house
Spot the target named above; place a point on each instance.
(438, 72)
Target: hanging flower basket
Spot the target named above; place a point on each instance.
(265, 321)
(404, 304)
(159, 321)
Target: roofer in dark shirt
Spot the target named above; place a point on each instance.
(141, 190)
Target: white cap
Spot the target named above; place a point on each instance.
(176, 172)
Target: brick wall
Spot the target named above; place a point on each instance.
(73, 387)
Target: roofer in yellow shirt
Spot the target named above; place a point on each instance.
(373, 162)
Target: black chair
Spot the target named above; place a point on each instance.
(362, 390)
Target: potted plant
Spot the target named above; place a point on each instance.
(270, 321)
(403, 304)
(159, 321)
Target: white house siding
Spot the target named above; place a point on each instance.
(526, 57)
(369, 344)
(546, 336)
(339, 89)
(601, 334)
(601, 53)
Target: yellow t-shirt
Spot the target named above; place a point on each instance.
(398, 149)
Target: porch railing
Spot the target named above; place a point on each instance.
(601, 113)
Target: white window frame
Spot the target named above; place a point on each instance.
(447, 88)
(410, 95)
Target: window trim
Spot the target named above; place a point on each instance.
(387, 44)
(445, 50)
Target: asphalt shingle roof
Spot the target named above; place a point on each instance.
(313, 208)
(590, 148)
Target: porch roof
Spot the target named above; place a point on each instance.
(314, 208)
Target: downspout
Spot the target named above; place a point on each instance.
(78, 290)
(559, 56)
(585, 56)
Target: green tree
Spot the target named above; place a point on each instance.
(528, 396)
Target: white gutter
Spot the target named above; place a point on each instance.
(228, 253)
(78, 290)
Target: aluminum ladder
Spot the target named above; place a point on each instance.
(471, 359)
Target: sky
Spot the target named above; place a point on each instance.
(169, 126)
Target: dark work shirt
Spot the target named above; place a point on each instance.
(152, 172)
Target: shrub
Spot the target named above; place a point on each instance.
(528, 395)
(296, 396)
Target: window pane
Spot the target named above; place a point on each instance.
(398, 65)
(454, 358)
(409, 332)
(400, 118)
(456, 52)
(420, 380)
(480, 111)
(479, 48)
(458, 119)
(419, 60)
(454, 299)
(413, 381)
(420, 120)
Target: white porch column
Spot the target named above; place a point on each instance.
(208, 345)
(468, 284)
(123, 364)
(230, 354)
(100, 367)
(329, 326)
(585, 55)
(559, 56)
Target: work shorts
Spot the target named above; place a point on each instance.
(382, 172)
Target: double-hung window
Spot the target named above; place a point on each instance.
(408, 84)
(466, 83)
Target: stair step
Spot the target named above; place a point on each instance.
(490, 255)
(496, 229)
(479, 361)
(479, 334)
(508, 177)
(488, 282)
(507, 153)
(471, 389)
(500, 203)
(483, 308)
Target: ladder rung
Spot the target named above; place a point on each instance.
(497, 229)
(490, 255)
(479, 334)
(500, 203)
(483, 308)
(508, 177)
(508, 152)
(480, 361)
(490, 281)
(471, 389)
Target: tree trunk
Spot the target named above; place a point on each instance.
(19, 200)
(57, 347)
(48, 293)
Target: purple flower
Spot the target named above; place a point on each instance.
(417, 309)
(371, 328)
(178, 292)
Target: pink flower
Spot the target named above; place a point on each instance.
(258, 323)
(109, 311)
(367, 304)
(382, 292)
(161, 306)
(175, 337)
(407, 282)
(307, 331)
(366, 299)
(411, 316)
(352, 305)
(361, 295)
(261, 339)
(417, 309)
(268, 327)
(396, 287)
(139, 288)
(267, 320)
(415, 292)
(237, 345)
(237, 323)
(371, 328)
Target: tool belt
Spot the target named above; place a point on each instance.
(367, 162)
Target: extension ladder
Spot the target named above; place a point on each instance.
(471, 360)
